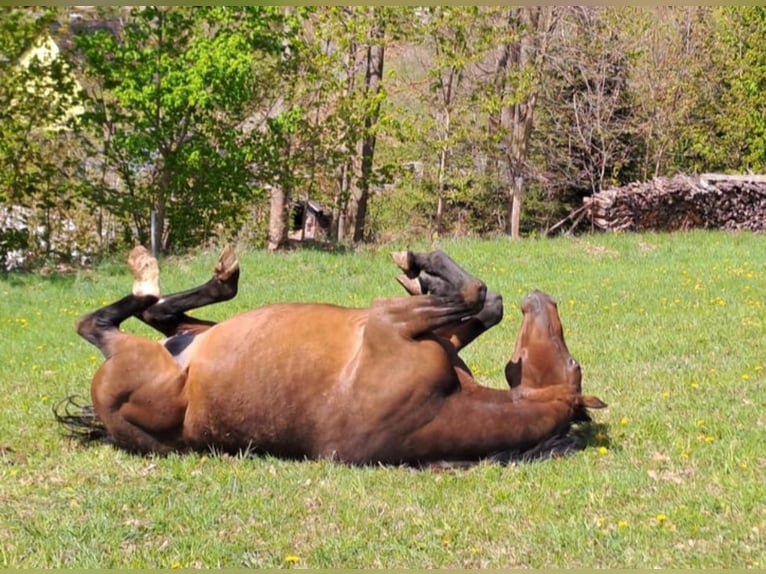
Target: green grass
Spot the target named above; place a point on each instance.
(670, 332)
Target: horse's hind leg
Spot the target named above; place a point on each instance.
(138, 393)
(101, 326)
(168, 314)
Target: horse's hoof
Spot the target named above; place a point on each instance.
(227, 263)
(405, 261)
(412, 286)
(146, 272)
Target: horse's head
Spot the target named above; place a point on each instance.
(541, 357)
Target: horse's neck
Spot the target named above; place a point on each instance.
(478, 423)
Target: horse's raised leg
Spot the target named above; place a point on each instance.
(449, 295)
(168, 314)
(138, 393)
(417, 280)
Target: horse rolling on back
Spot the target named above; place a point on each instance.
(383, 384)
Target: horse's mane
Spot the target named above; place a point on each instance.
(577, 435)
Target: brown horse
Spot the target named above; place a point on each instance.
(382, 384)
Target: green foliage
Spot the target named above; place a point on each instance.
(667, 328)
(39, 163)
(173, 90)
(739, 140)
(195, 113)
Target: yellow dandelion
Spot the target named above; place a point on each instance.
(684, 456)
(743, 465)
(665, 394)
(661, 518)
(622, 524)
(694, 385)
(292, 558)
(602, 450)
(624, 421)
(745, 376)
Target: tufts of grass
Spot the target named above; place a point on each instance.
(669, 329)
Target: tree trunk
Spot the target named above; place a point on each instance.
(157, 215)
(277, 227)
(440, 184)
(344, 193)
(373, 77)
(525, 56)
(346, 176)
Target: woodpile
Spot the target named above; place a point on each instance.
(713, 201)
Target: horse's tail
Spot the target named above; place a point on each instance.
(80, 422)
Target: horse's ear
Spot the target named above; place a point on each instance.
(513, 373)
(592, 402)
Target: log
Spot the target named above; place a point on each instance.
(710, 201)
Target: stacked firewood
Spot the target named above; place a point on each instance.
(682, 202)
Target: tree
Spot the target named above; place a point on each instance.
(453, 37)
(737, 140)
(518, 74)
(586, 102)
(346, 77)
(171, 90)
(38, 160)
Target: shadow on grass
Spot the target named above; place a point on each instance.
(316, 245)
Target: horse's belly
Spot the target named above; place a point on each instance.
(259, 383)
(300, 381)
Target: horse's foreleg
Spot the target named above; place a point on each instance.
(438, 275)
(449, 295)
(168, 314)
(465, 332)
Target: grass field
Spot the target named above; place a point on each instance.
(670, 330)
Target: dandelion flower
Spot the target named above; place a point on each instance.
(602, 450)
(292, 558)
(661, 518)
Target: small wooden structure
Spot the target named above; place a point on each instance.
(309, 220)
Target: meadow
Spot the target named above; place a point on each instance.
(669, 329)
